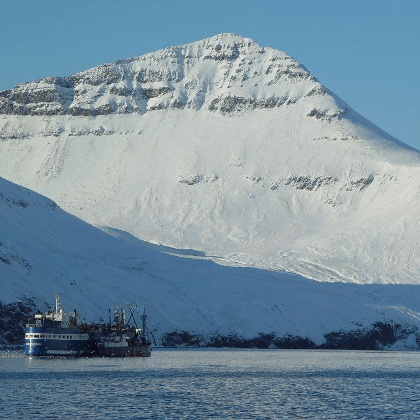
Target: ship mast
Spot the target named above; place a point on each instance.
(143, 330)
(57, 302)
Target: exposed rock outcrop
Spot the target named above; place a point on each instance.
(173, 78)
(13, 317)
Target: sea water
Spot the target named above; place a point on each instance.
(214, 384)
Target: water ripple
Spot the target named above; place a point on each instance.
(215, 384)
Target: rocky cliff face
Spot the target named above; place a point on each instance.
(225, 74)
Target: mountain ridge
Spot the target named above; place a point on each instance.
(133, 85)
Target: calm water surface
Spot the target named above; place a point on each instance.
(219, 384)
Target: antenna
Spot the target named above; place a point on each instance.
(57, 302)
(132, 314)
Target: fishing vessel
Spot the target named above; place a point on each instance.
(57, 333)
(119, 339)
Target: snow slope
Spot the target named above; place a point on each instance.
(44, 249)
(225, 147)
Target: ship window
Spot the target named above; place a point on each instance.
(36, 336)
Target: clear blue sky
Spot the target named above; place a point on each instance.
(366, 51)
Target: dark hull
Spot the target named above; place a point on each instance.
(128, 351)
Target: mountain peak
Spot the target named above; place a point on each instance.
(217, 41)
(226, 73)
(226, 38)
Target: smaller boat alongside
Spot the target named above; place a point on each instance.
(57, 333)
(121, 340)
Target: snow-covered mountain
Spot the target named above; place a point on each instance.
(228, 148)
(189, 298)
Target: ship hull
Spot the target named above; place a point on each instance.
(124, 351)
(41, 342)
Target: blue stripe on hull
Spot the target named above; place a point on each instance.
(45, 347)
